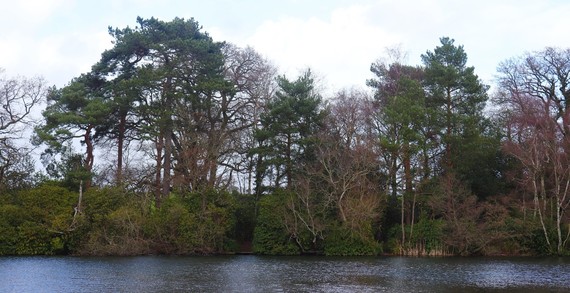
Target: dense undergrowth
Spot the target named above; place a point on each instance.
(43, 221)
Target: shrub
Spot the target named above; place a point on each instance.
(198, 223)
(111, 224)
(270, 236)
(343, 242)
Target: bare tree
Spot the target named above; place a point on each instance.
(19, 97)
(348, 167)
(469, 226)
(211, 143)
(535, 88)
(539, 145)
(254, 79)
(344, 176)
(543, 76)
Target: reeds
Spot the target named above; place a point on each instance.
(420, 249)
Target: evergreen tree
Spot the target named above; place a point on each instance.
(458, 95)
(170, 76)
(471, 145)
(286, 137)
(74, 111)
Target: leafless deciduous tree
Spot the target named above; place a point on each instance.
(348, 167)
(470, 225)
(344, 176)
(19, 97)
(535, 89)
(211, 144)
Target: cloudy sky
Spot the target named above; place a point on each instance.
(338, 39)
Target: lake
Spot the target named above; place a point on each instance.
(249, 273)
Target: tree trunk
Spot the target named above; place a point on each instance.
(413, 211)
(448, 132)
(393, 175)
(158, 174)
(289, 163)
(340, 208)
(539, 209)
(212, 158)
(167, 165)
(403, 222)
(167, 134)
(408, 189)
(89, 155)
(558, 227)
(120, 146)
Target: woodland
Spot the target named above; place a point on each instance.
(177, 144)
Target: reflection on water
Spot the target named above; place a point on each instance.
(283, 274)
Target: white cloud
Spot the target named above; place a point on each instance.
(341, 47)
(58, 58)
(27, 14)
(59, 39)
(490, 31)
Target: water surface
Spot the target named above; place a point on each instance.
(282, 274)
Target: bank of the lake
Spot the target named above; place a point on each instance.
(283, 274)
(112, 222)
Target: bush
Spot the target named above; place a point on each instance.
(198, 223)
(428, 234)
(10, 219)
(37, 221)
(245, 216)
(270, 236)
(427, 238)
(535, 240)
(111, 224)
(169, 227)
(342, 242)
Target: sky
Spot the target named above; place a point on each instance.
(337, 39)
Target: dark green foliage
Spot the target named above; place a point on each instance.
(427, 238)
(211, 223)
(167, 86)
(170, 226)
(532, 239)
(245, 216)
(289, 127)
(481, 164)
(99, 203)
(70, 169)
(119, 224)
(457, 95)
(280, 230)
(451, 82)
(111, 224)
(270, 235)
(537, 243)
(74, 112)
(344, 242)
(37, 221)
(10, 220)
(428, 235)
(417, 170)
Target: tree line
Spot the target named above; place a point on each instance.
(178, 144)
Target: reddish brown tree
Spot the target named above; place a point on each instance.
(535, 88)
(537, 141)
(470, 225)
